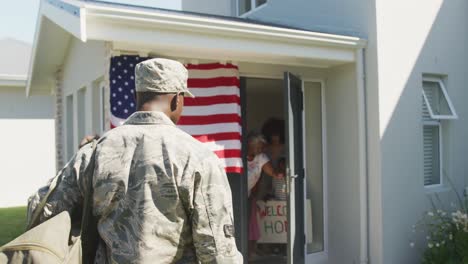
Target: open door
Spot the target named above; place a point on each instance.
(295, 167)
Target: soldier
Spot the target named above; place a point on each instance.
(159, 195)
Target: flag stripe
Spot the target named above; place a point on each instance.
(211, 100)
(211, 109)
(211, 128)
(207, 74)
(210, 66)
(210, 119)
(235, 169)
(115, 121)
(228, 153)
(223, 144)
(231, 162)
(220, 90)
(213, 82)
(218, 137)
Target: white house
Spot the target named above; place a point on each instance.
(366, 145)
(27, 155)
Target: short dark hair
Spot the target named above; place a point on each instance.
(145, 97)
(274, 126)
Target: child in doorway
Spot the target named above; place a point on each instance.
(257, 162)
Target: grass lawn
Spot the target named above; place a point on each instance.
(12, 223)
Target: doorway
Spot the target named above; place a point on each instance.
(267, 219)
(297, 235)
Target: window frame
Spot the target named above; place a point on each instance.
(447, 98)
(253, 7)
(437, 124)
(69, 128)
(97, 106)
(102, 108)
(81, 108)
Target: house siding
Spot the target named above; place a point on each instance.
(357, 18)
(401, 48)
(85, 64)
(214, 7)
(350, 17)
(27, 155)
(433, 41)
(341, 95)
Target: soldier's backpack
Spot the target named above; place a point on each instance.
(50, 242)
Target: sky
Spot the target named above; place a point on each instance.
(18, 17)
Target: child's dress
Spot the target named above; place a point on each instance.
(255, 169)
(254, 172)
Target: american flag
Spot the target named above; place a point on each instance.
(212, 117)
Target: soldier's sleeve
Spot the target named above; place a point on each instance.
(212, 215)
(67, 195)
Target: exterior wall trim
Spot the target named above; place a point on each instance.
(207, 25)
(169, 32)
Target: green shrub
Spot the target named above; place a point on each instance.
(446, 232)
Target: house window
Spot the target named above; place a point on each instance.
(245, 6)
(437, 100)
(436, 108)
(432, 154)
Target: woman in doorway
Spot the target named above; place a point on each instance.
(274, 188)
(258, 163)
(273, 129)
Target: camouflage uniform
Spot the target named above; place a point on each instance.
(160, 195)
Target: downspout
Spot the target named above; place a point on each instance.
(107, 64)
(58, 92)
(363, 157)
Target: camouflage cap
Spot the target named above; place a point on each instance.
(161, 76)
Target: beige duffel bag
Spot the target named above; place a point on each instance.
(46, 243)
(52, 242)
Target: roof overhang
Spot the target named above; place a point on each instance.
(185, 35)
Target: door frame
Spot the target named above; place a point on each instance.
(322, 256)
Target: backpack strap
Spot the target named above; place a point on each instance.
(89, 232)
(40, 208)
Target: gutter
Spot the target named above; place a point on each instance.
(10, 80)
(363, 157)
(32, 60)
(192, 23)
(53, 11)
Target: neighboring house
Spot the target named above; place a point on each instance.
(27, 155)
(371, 144)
